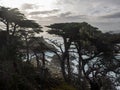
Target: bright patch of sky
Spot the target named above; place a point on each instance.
(104, 14)
(44, 4)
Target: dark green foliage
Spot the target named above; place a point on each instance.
(64, 86)
(73, 30)
(15, 73)
(29, 24)
(8, 15)
(17, 81)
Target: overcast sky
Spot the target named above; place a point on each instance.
(104, 14)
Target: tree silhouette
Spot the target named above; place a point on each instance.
(11, 18)
(28, 28)
(89, 42)
(39, 45)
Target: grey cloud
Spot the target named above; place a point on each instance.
(89, 1)
(71, 16)
(68, 16)
(96, 7)
(107, 26)
(113, 15)
(65, 1)
(77, 17)
(117, 2)
(27, 6)
(44, 12)
(65, 14)
(61, 17)
(99, 12)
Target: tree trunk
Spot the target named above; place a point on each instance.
(37, 60)
(80, 66)
(8, 42)
(7, 28)
(43, 60)
(27, 49)
(69, 69)
(94, 85)
(63, 70)
(14, 29)
(67, 44)
(63, 65)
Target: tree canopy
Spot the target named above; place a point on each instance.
(98, 47)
